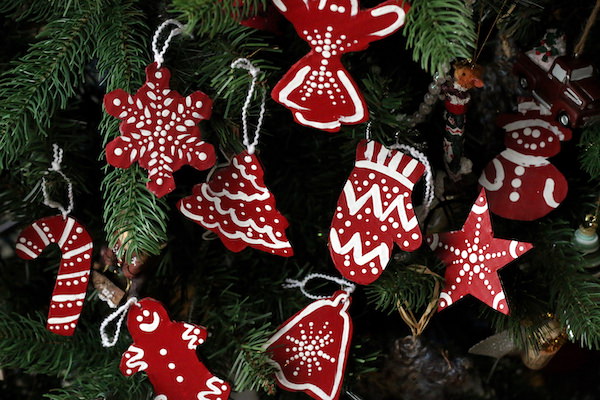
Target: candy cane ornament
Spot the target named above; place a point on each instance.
(76, 247)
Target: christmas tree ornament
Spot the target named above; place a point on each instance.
(166, 351)
(310, 349)
(473, 257)
(585, 240)
(521, 183)
(429, 99)
(373, 211)
(318, 89)
(159, 127)
(551, 338)
(108, 292)
(466, 76)
(235, 203)
(75, 245)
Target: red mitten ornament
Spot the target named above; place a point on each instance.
(473, 257)
(73, 274)
(159, 130)
(374, 211)
(237, 206)
(311, 348)
(166, 350)
(521, 183)
(318, 89)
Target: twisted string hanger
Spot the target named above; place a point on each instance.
(160, 53)
(244, 63)
(347, 286)
(55, 167)
(429, 192)
(120, 313)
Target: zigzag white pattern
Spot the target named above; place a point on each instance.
(213, 388)
(193, 340)
(355, 244)
(136, 360)
(355, 205)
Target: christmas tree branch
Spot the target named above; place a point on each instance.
(439, 32)
(589, 157)
(42, 81)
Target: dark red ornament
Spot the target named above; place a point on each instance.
(473, 257)
(166, 350)
(310, 350)
(237, 206)
(159, 130)
(73, 274)
(318, 89)
(375, 211)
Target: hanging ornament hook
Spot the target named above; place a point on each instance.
(120, 313)
(160, 53)
(244, 63)
(429, 192)
(56, 167)
(347, 286)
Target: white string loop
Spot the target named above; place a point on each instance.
(347, 286)
(244, 63)
(160, 53)
(55, 167)
(120, 313)
(429, 192)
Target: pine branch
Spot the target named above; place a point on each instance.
(439, 31)
(42, 81)
(210, 17)
(129, 207)
(87, 371)
(252, 369)
(590, 155)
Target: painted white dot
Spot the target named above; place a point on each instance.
(171, 366)
(118, 151)
(527, 131)
(519, 170)
(179, 379)
(514, 196)
(163, 352)
(117, 102)
(516, 183)
(535, 133)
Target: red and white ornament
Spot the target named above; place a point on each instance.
(237, 206)
(521, 183)
(166, 350)
(73, 274)
(159, 130)
(318, 89)
(310, 350)
(374, 211)
(473, 257)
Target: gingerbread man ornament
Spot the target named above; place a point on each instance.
(166, 350)
(318, 89)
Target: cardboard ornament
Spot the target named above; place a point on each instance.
(521, 183)
(166, 351)
(73, 274)
(374, 211)
(473, 257)
(159, 130)
(318, 89)
(239, 208)
(310, 350)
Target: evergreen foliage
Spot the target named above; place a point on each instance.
(62, 56)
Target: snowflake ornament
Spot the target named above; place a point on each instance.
(237, 206)
(473, 257)
(375, 211)
(159, 130)
(311, 348)
(166, 351)
(318, 89)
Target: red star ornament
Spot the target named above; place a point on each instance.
(237, 206)
(159, 130)
(76, 247)
(374, 211)
(310, 349)
(318, 89)
(166, 351)
(473, 257)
